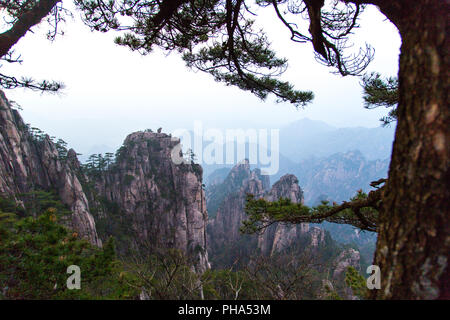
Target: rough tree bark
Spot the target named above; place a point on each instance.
(413, 243)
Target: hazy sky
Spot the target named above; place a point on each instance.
(111, 91)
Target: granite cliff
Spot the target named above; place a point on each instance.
(157, 202)
(229, 199)
(338, 176)
(31, 161)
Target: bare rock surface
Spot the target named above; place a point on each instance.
(28, 163)
(162, 202)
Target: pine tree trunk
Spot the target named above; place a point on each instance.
(413, 243)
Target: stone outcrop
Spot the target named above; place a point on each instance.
(161, 203)
(338, 176)
(347, 258)
(280, 236)
(29, 163)
(141, 197)
(231, 195)
(286, 187)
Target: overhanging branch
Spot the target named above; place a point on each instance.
(24, 23)
(361, 212)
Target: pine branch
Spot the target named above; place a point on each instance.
(361, 212)
(8, 82)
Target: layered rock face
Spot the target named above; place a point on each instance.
(349, 171)
(28, 163)
(280, 236)
(162, 203)
(223, 230)
(347, 258)
(230, 197)
(143, 198)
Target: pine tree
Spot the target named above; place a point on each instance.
(218, 37)
(35, 252)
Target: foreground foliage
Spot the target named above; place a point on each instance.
(35, 253)
(36, 249)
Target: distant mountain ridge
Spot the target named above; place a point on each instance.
(309, 138)
(333, 178)
(306, 141)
